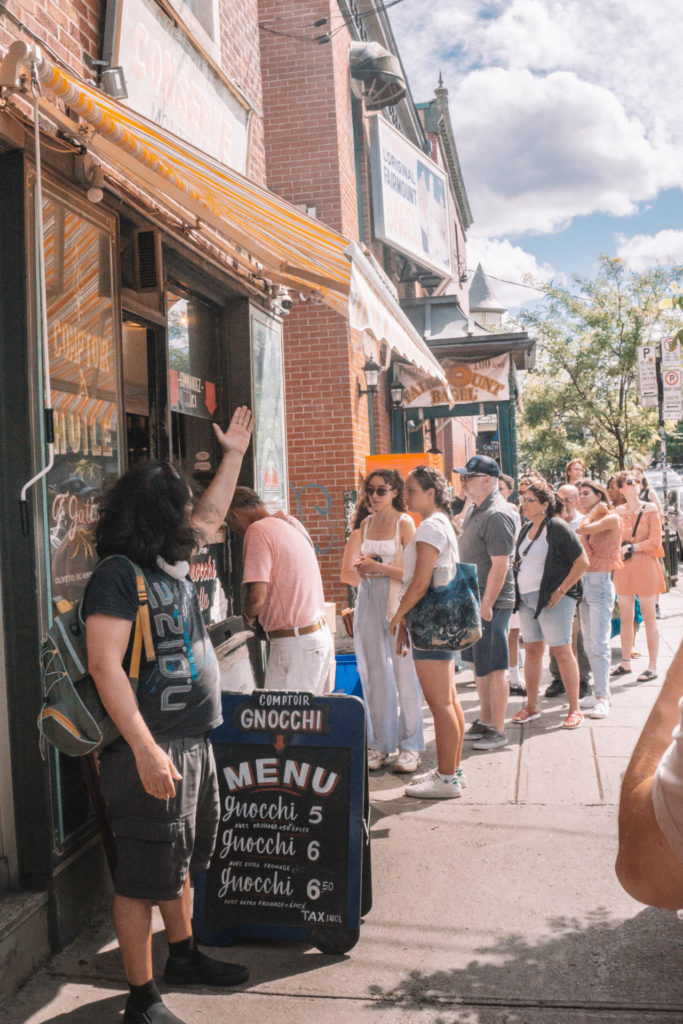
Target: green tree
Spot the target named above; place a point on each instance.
(582, 397)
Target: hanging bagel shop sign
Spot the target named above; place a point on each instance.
(290, 846)
(487, 380)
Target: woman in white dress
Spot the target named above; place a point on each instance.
(373, 562)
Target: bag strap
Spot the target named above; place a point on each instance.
(640, 516)
(143, 628)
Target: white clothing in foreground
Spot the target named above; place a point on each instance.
(667, 790)
(300, 662)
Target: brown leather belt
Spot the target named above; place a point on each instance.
(280, 634)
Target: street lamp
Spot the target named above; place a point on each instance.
(372, 372)
(396, 389)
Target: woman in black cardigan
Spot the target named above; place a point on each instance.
(549, 561)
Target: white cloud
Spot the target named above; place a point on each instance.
(641, 252)
(560, 108)
(505, 264)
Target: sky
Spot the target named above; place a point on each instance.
(567, 119)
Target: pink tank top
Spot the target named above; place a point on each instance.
(603, 550)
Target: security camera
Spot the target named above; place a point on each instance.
(286, 304)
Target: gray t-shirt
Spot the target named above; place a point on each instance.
(489, 529)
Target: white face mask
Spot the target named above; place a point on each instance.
(177, 570)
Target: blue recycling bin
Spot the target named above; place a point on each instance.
(347, 679)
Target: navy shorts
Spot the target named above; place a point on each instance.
(159, 841)
(490, 653)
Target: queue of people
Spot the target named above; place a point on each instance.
(548, 573)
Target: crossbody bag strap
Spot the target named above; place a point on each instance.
(640, 516)
(143, 628)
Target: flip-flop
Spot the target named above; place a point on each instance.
(620, 671)
(646, 676)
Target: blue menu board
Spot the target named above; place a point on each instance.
(293, 841)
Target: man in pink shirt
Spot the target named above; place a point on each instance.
(284, 591)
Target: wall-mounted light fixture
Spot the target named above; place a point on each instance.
(88, 173)
(396, 389)
(372, 372)
(110, 79)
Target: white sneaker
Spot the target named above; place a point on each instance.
(376, 759)
(601, 709)
(461, 777)
(588, 702)
(407, 761)
(434, 789)
(422, 777)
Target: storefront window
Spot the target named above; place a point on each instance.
(83, 374)
(195, 400)
(269, 412)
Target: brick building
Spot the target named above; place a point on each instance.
(151, 278)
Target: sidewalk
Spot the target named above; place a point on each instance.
(499, 907)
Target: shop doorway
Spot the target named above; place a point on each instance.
(145, 392)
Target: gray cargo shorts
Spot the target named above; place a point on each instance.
(159, 841)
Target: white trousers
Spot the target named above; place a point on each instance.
(300, 662)
(390, 685)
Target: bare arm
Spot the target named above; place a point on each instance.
(494, 584)
(646, 866)
(256, 594)
(416, 589)
(212, 509)
(589, 526)
(351, 555)
(107, 639)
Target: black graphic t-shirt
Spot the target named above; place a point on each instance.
(178, 693)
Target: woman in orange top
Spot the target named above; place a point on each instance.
(641, 573)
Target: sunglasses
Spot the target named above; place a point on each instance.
(631, 482)
(473, 476)
(379, 491)
(529, 501)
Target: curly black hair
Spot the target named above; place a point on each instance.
(428, 477)
(145, 514)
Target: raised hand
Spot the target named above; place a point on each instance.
(236, 438)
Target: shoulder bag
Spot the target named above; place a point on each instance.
(448, 618)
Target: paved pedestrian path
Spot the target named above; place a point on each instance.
(498, 908)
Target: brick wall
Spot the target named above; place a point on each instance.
(71, 27)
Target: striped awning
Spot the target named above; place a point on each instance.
(291, 248)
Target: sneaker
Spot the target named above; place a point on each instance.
(588, 702)
(527, 714)
(585, 689)
(601, 709)
(422, 777)
(203, 970)
(476, 730)
(517, 690)
(157, 1013)
(376, 759)
(407, 761)
(491, 739)
(459, 774)
(556, 689)
(434, 788)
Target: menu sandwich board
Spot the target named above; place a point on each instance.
(292, 856)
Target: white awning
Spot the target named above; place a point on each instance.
(374, 309)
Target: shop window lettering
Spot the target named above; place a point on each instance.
(321, 510)
(75, 435)
(80, 346)
(71, 514)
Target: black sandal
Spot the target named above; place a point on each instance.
(620, 671)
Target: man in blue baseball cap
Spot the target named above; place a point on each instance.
(487, 540)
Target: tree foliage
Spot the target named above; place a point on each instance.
(582, 398)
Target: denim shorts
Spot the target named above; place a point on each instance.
(490, 653)
(432, 655)
(159, 841)
(553, 626)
